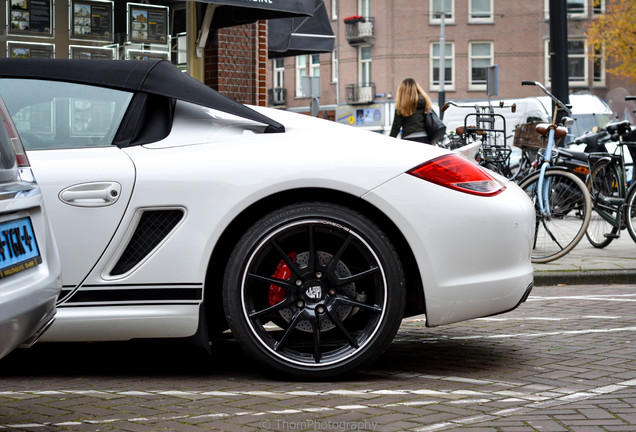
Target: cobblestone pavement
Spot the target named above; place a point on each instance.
(564, 361)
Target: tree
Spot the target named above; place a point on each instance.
(615, 33)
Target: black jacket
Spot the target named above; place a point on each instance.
(411, 124)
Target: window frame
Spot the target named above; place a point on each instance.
(471, 58)
(599, 55)
(432, 59)
(584, 56)
(483, 20)
(365, 64)
(570, 15)
(600, 9)
(278, 73)
(364, 8)
(432, 20)
(301, 71)
(334, 65)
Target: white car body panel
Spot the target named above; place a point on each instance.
(89, 217)
(123, 323)
(466, 272)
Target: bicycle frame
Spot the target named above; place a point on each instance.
(617, 158)
(544, 204)
(544, 189)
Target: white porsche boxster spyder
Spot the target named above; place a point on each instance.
(180, 213)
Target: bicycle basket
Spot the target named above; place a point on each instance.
(526, 136)
(495, 154)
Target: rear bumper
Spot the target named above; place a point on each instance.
(473, 253)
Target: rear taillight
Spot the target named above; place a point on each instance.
(20, 154)
(456, 172)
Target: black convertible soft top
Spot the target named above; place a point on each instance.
(158, 77)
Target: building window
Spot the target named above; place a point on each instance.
(598, 65)
(334, 65)
(577, 62)
(436, 8)
(449, 66)
(301, 71)
(574, 8)
(480, 57)
(306, 66)
(279, 73)
(480, 11)
(598, 7)
(314, 65)
(334, 9)
(364, 65)
(364, 8)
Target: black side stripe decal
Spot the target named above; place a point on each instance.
(132, 293)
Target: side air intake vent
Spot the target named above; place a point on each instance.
(153, 227)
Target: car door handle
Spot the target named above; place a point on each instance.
(96, 194)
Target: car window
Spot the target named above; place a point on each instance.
(55, 115)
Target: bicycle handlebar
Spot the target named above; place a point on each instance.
(545, 90)
(476, 107)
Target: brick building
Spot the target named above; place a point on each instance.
(380, 42)
(232, 59)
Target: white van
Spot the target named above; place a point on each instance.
(587, 111)
(526, 109)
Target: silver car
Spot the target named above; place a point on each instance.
(29, 263)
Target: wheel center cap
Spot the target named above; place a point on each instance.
(314, 292)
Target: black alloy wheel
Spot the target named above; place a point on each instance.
(314, 290)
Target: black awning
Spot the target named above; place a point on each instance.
(305, 35)
(237, 12)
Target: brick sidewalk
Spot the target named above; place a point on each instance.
(586, 264)
(564, 361)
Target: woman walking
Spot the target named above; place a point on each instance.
(411, 105)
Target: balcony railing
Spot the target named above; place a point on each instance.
(359, 30)
(277, 96)
(360, 93)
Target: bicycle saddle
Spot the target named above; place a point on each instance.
(560, 131)
(461, 130)
(576, 155)
(619, 128)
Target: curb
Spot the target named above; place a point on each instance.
(598, 277)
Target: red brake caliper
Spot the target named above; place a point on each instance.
(276, 293)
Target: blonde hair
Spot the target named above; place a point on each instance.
(407, 95)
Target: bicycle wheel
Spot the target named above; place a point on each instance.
(630, 211)
(570, 206)
(522, 169)
(603, 184)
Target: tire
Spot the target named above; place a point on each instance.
(571, 208)
(603, 183)
(630, 212)
(314, 290)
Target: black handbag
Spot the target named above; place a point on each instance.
(435, 127)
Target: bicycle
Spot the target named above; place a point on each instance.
(614, 201)
(562, 201)
(490, 128)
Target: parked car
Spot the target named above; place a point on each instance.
(181, 213)
(29, 263)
